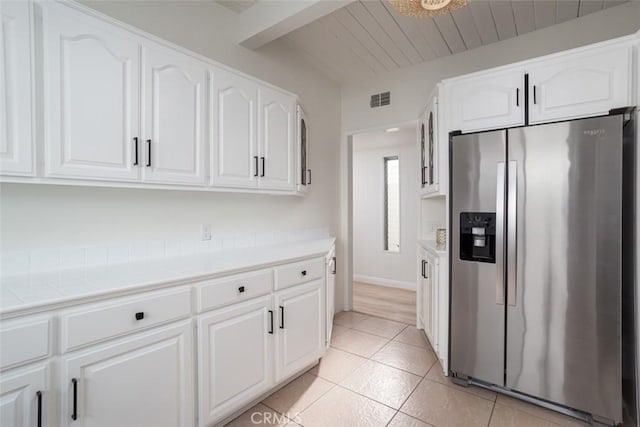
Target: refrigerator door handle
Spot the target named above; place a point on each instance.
(500, 181)
(512, 240)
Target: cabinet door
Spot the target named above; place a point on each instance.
(303, 172)
(433, 280)
(488, 101)
(16, 139)
(234, 155)
(144, 380)
(277, 121)
(92, 97)
(24, 397)
(583, 84)
(430, 171)
(424, 169)
(175, 113)
(331, 295)
(427, 300)
(235, 357)
(300, 330)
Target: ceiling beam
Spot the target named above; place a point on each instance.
(268, 20)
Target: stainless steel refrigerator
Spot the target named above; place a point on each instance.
(542, 260)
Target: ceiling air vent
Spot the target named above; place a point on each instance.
(380, 99)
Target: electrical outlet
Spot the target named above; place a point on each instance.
(205, 232)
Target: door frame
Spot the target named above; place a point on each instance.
(346, 205)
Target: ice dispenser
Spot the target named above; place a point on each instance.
(478, 236)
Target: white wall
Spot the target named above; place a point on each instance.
(370, 262)
(41, 216)
(410, 87)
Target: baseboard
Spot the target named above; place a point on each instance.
(410, 286)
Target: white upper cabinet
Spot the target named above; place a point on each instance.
(91, 72)
(277, 130)
(234, 155)
(487, 101)
(585, 83)
(16, 139)
(175, 117)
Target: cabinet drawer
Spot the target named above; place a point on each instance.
(102, 321)
(23, 341)
(299, 272)
(229, 290)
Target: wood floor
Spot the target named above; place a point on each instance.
(381, 301)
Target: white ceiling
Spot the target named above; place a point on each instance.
(368, 37)
(405, 135)
(237, 6)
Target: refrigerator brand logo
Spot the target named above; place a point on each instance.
(594, 132)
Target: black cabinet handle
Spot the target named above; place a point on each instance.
(517, 97)
(281, 317)
(241, 289)
(426, 270)
(303, 272)
(135, 147)
(335, 266)
(534, 94)
(74, 414)
(148, 153)
(423, 273)
(39, 396)
(263, 167)
(140, 315)
(309, 180)
(271, 322)
(255, 158)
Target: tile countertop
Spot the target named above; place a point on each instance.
(435, 249)
(29, 293)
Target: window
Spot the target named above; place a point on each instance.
(392, 204)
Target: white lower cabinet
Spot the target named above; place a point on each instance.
(25, 397)
(234, 357)
(300, 339)
(143, 380)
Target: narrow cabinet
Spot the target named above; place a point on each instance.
(430, 148)
(145, 379)
(330, 277)
(303, 172)
(487, 100)
(235, 357)
(580, 84)
(235, 161)
(25, 397)
(16, 90)
(175, 117)
(301, 337)
(277, 130)
(91, 94)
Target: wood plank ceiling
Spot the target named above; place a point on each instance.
(368, 37)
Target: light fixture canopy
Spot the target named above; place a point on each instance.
(426, 7)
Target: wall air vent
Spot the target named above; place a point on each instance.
(380, 99)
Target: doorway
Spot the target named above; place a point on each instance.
(384, 193)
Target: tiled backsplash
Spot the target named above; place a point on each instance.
(62, 258)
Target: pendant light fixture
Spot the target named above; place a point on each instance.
(426, 7)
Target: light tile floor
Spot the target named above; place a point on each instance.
(384, 373)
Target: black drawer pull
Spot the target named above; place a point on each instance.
(135, 141)
(271, 322)
(140, 315)
(263, 167)
(335, 266)
(74, 414)
(148, 153)
(281, 317)
(39, 396)
(309, 180)
(303, 272)
(257, 167)
(241, 289)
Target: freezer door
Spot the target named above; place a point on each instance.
(564, 263)
(477, 287)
